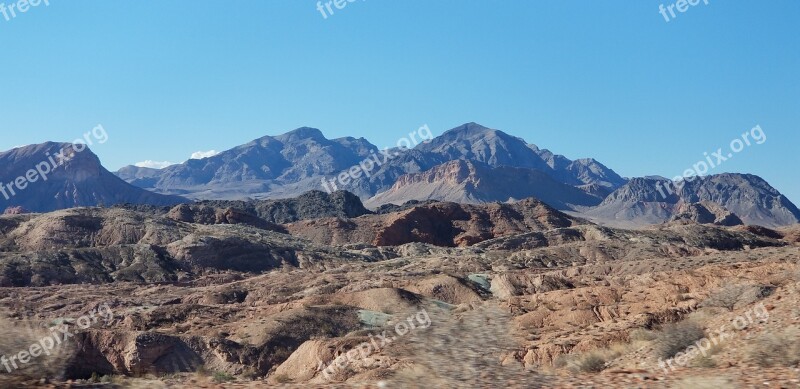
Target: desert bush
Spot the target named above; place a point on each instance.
(705, 314)
(642, 335)
(592, 362)
(676, 337)
(696, 382)
(18, 336)
(707, 361)
(775, 349)
(461, 348)
(282, 379)
(703, 362)
(734, 296)
(222, 377)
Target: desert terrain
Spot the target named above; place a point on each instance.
(430, 294)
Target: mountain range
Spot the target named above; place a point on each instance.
(467, 164)
(296, 162)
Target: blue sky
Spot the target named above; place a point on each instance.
(610, 80)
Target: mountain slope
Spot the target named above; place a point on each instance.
(293, 163)
(286, 165)
(473, 182)
(80, 181)
(474, 142)
(639, 202)
(580, 172)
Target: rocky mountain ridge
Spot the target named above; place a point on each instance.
(644, 201)
(293, 163)
(77, 180)
(467, 164)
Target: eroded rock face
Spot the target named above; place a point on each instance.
(96, 245)
(442, 224)
(313, 204)
(707, 213)
(472, 182)
(201, 214)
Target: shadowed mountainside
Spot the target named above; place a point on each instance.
(79, 181)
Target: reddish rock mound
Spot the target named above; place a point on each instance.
(441, 224)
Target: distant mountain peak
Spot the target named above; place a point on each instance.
(78, 180)
(302, 133)
(473, 131)
(470, 127)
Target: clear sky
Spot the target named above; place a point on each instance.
(610, 80)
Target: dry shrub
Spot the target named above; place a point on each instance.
(17, 336)
(676, 337)
(462, 348)
(735, 296)
(776, 349)
(593, 361)
(703, 362)
(707, 361)
(642, 335)
(704, 315)
(697, 382)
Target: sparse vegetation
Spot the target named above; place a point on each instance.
(592, 362)
(18, 336)
(734, 296)
(221, 377)
(776, 349)
(706, 361)
(704, 383)
(282, 379)
(462, 348)
(642, 335)
(676, 337)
